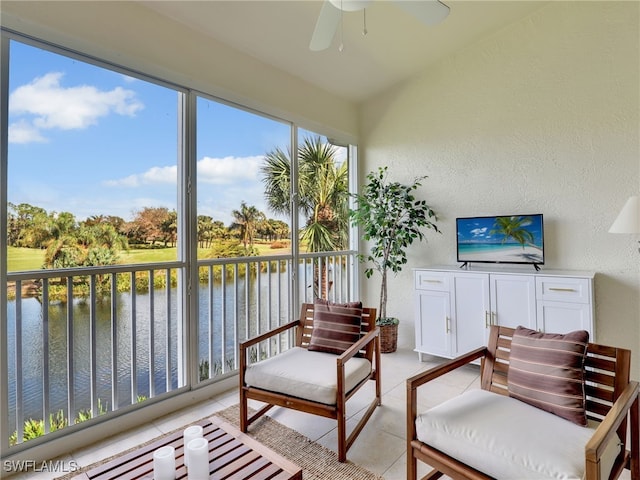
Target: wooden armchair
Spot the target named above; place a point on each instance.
(611, 401)
(287, 379)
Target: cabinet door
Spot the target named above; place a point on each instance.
(564, 317)
(564, 304)
(513, 300)
(471, 313)
(433, 322)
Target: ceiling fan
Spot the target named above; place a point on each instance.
(429, 12)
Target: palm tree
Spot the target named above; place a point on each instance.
(322, 197)
(247, 220)
(322, 192)
(512, 227)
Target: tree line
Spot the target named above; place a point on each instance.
(98, 239)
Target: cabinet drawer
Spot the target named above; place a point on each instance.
(428, 280)
(574, 290)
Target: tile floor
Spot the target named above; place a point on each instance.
(380, 447)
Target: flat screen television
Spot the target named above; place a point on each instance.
(501, 239)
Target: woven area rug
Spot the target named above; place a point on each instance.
(316, 461)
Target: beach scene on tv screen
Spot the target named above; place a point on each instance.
(508, 239)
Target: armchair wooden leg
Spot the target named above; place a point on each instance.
(342, 435)
(412, 464)
(635, 439)
(244, 412)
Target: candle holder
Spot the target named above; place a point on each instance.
(198, 452)
(190, 433)
(164, 463)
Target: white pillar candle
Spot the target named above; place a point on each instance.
(164, 463)
(198, 452)
(190, 433)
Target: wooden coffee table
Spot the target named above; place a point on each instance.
(232, 455)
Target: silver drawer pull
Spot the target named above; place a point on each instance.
(431, 281)
(555, 289)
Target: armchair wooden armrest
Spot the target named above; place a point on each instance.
(627, 403)
(359, 345)
(266, 335)
(435, 372)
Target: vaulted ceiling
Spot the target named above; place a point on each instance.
(395, 47)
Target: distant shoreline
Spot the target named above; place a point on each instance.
(516, 254)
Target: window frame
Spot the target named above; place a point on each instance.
(187, 260)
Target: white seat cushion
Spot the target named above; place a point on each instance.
(506, 438)
(310, 375)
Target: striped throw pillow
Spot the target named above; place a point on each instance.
(546, 370)
(335, 326)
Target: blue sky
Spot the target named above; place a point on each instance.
(91, 141)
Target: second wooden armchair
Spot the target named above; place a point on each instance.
(312, 380)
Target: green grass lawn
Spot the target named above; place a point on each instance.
(25, 259)
(151, 255)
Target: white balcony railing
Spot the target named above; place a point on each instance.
(88, 341)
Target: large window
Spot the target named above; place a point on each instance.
(104, 185)
(92, 155)
(92, 184)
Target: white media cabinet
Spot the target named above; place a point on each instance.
(454, 307)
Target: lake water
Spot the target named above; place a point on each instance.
(264, 296)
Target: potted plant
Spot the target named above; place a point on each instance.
(391, 218)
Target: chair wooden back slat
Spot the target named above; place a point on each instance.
(604, 379)
(599, 393)
(304, 331)
(500, 381)
(597, 411)
(496, 364)
(503, 355)
(504, 342)
(604, 350)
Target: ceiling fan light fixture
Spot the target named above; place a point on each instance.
(330, 19)
(351, 5)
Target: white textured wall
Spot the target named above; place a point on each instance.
(542, 116)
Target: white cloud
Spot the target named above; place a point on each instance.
(153, 176)
(213, 171)
(479, 232)
(23, 132)
(229, 169)
(48, 105)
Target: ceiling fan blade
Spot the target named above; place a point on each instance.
(326, 27)
(429, 12)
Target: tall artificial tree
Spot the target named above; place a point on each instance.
(391, 219)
